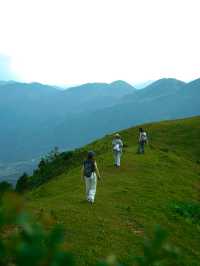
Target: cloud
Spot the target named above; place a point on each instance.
(5, 68)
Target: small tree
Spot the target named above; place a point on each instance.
(53, 154)
(24, 241)
(5, 187)
(42, 163)
(22, 183)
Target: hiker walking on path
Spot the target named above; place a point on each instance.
(142, 140)
(117, 145)
(90, 172)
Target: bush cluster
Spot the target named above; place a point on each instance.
(188, 210)
(50, 166)
(24, 241)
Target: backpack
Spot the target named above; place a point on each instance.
(143, 137)
(116, 147)
(89, 168)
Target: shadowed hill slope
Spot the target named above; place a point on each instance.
(132, 199)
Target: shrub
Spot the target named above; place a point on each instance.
(26, 242)
(5, 187)
(189, 210)
(22, 183)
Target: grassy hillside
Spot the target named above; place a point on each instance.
(132, 199)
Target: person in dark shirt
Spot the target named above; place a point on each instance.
(89, 173)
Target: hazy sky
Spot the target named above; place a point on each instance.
(78, 41)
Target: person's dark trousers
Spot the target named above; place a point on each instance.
(141, 147)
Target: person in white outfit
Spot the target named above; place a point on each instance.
(142, 140)
(117, 145)
(89, 173)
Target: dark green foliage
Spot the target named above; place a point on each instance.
(24, 241)
(157, 251)
(5, 187)
(50, 166)
(22, 183)
(188, 210)
(54, 164)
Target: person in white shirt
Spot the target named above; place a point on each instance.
(117, 145)
(142, 140)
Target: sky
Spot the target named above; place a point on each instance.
(78, 41)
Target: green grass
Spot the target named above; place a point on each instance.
(131, 200)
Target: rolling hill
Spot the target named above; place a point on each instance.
(132, 199)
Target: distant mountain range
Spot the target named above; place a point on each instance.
(34, 117)
(165, 99)
(142, 85)
(30, 114)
